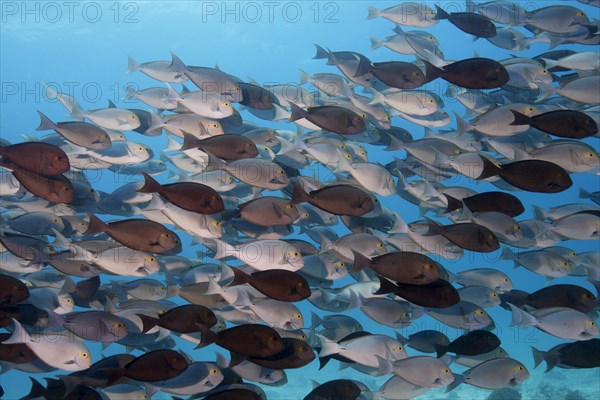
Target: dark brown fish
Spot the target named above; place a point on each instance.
(424, 341)
(571, 124)
(339, 389)
(257, 97)
(250, 340)
(468, 236)
(227, 147)
(402, 266)
(472, 73)
(26, 314)
(190, 196)
(563, 295)
(439, 294)
(331, 118)
(17, 353)
(335, 199)
(471, 344)
(278, 284)
(530, 175)
(502, 202)
(138, 234)
(53, 188)
(399, 74)
(296, 354)
(582, 354)
(472, 23)
(154, 366)
(77, 132)
(38, 157)
(12, 290)
(183, 319)
(268, 211)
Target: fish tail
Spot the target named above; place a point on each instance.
(507, 254)
(112, 374)
(297, 113)
(323, 361)
(373, 13)
(521, 317)
(431, 71)
(130, 92)
(440, 350)
(376, 43)
(150, 185)
(223, 249)
(453, 203)
(489, 169)
(95, 225)
(19, 335)
(328, 347)
(321, 53)
(190, 142)
(132, 65)
(304, 77)
(45, 123)
(549, 63)
(207, 337)
(584, 194)
(76, 112)
(538, 356)
(433, 228)
(520, 119)
(364, 67)
(360, 261)
(148, 322)
(176, 64)
(540, 213)
(441, 14)
(298, 193)
(37, 390)
(240, 277)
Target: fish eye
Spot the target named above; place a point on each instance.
(590, 154)
(490, 236)
(302, 348)
(544, 71)
(446, 370)
(300, 284)
(85, 355)
(297, 315)
(519, 368)
(55, 220)
(590, 323)
(213, 371)
(585, 295)
(303, 336)
(91, 190)
(339, 264)
(68, 300)
(132, 116)
(479, 312)
(342, 146)
(457, 151)
(348, 156)
(304, 215)
(380, 244)
(505, 279)
(427, 266)
(226, 104)
(150, 259)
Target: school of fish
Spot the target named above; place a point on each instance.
(263, 208)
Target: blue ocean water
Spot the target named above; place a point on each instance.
(81, 48)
